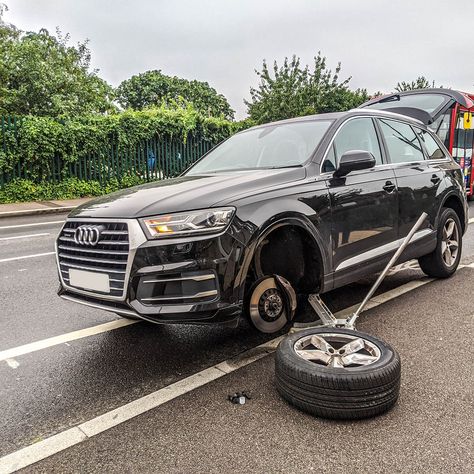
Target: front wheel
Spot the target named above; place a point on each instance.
(444, 260)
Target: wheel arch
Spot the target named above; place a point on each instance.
(304, 228)
(454, 202)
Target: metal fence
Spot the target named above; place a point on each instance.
(8, 123)
(149, 160)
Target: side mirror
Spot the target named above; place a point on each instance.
(354, 160)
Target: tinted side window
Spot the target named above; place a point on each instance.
(434, 150)
(402, 142)
(356, 134)
(329, 165)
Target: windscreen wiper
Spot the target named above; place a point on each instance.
(281, 167)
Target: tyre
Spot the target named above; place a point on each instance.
(444, 260)
(337, 373)
(265, 306)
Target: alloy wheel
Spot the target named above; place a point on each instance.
(337, 350)
(450, 242)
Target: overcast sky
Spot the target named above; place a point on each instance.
(378, 42)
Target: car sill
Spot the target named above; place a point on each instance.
(383, 249)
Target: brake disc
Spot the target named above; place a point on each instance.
(267, 306)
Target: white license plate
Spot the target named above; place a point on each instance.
(89, 280)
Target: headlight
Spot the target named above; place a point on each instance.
(189, 223)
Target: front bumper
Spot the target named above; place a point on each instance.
(188, 280)
(225, 315)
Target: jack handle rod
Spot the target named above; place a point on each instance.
(351, 321)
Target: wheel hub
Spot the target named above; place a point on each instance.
(270, 305)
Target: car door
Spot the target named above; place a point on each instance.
(418, 180)
(363, 203)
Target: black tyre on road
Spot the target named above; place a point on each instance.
(444, 260)
(337, 373)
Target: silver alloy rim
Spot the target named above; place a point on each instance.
(450, 242)
(337, 350)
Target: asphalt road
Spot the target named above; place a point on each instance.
(51, 391)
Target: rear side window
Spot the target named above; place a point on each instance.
(433, 149)
(402, 143)
(356, 134)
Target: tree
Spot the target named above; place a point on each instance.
(420, 83)
(7, 30)
(291, 90)
(8, 35)
(41, 74)
(153, 88)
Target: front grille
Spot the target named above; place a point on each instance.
(109, 256)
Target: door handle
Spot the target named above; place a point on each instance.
(435, 179)
(389, 187)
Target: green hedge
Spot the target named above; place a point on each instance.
(24, 190)
(33, 146)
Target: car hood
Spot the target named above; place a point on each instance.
(185, 193)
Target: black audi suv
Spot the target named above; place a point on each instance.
(320, 201)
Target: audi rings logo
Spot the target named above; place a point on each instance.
(88, 234)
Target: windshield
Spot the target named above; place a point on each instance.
(275, 146)
(426, 102)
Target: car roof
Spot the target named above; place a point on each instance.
(339, 116)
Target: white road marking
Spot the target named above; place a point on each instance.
(41, 450)
(66, 439)
(39, 210)
(12, 363)
(63, 440)
(12, 259)
(377, 300)
(19, 226)
(471, 220)
(25, 236)
(396, 292)
(63, 338)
